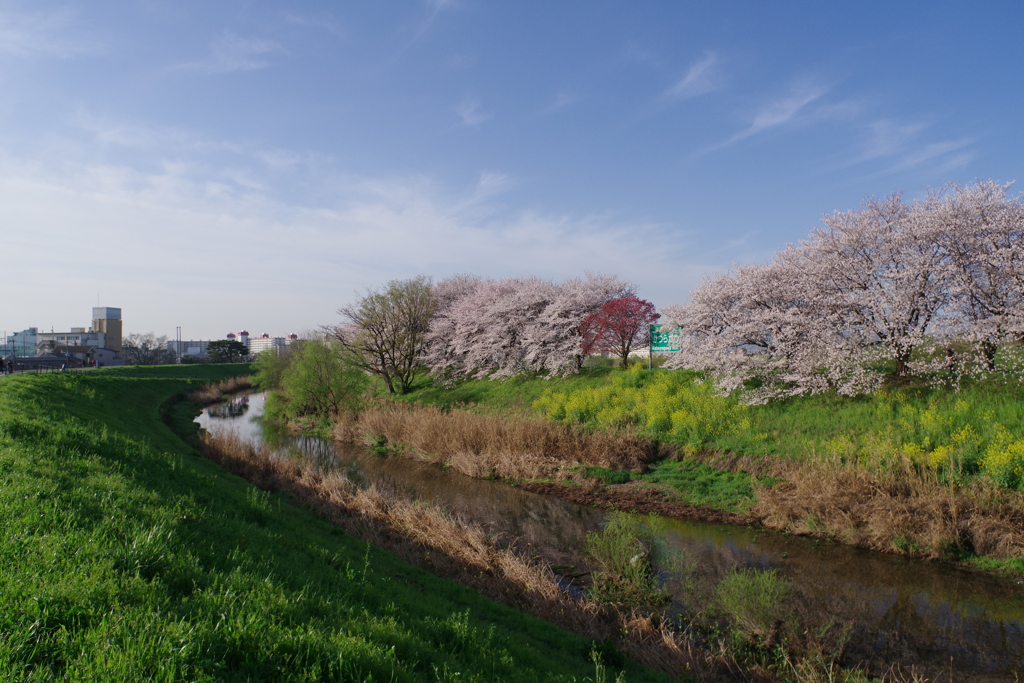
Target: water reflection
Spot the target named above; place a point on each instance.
(943, 620)
(235, 408)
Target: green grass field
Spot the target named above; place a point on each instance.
(126, 556)
(513, 396)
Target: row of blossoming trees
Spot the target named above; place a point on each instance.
(468, 326)
(933, 287)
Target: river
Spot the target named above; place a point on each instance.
(947, 622)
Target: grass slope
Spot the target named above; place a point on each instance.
(124, 555)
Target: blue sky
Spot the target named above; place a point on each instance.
(253, 164)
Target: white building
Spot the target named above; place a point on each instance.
(105, 333)
(47, 342)
(265, 342)
(192, 347)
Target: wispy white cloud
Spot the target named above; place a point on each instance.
(231, 52)
(903, 146)
(314, 22)
(888, 138)
(944, 156)
(781, 111)
(300, 261)
(702, 77)
(472, 113)
(785, 110)
(434, 8)
(561, 101)
(640, 54)
(478, 202)
(439, 5)
(27, 34)
(171, 142)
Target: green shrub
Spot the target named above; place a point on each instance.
(624, 553)
(319, 381)
(756, 600)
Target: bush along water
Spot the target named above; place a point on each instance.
(624, 555)
(753, 613)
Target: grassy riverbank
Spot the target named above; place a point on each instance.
(911, 470)
(126, 556)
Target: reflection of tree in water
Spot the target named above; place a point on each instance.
(901, 611)
(236, 407)
(553, 528)
(914, 613)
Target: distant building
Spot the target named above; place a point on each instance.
(105, 333)
(265, 342)
(192, 347)
(47, 342)
(200, 349)
(88, 355)
(21, 344)
(107, 321)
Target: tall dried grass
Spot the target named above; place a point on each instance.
(215, 393)
(488, 446)
(891, 506)
(446, 545)
(898, 509)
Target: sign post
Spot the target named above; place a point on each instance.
(661, 340)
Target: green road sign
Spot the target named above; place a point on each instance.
(661, 339)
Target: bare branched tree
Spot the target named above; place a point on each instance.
(146, 349)
(384, 332)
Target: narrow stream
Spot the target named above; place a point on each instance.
(947, 622)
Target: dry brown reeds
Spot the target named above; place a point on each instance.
(896, 510)
(451, 547)
(215, 393)
(891, 509)
(488, 446)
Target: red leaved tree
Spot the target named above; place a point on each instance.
(618, 326)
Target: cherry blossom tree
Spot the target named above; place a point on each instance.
(554, 343)
(618, 326)
(752, 328)
(501, 328)
(984, 238)
(880, 273)
(897, 284)
(439, 352)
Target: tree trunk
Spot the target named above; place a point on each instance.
(988, 350)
